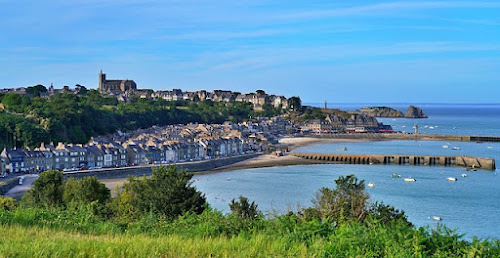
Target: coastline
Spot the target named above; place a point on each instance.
(264, 160)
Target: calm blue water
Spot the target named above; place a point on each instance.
(471, 204)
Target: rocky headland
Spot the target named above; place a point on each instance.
(415, 112)
(382, 111)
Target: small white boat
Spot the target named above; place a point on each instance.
(371, 185)
(396, 175)
(431, 127)
(342, 149)
(437, 218)
(490, 147)
(453, 179)
(454, 128)
(445, 146)
(455, 148)
(464, 175)
(409, 179)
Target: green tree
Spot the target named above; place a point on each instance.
(82, 90)
(36, 90)
(295, 104)
(168, 192)
(243, 209)
(47, 190)
(347, 202)
(77, 192)
(260, 92)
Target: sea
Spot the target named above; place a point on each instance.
(470, 205)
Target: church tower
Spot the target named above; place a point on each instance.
(102, 81)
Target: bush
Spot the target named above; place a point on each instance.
(168, 192)
(243, 209)
(84, 191)
(7, 203)
(47, 190)
(347, 202)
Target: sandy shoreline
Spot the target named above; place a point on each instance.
(264, 160)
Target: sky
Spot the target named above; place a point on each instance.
(328, 50)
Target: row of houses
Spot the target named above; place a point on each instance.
(76, 156)
(257, 99)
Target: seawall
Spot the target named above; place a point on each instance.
(464, 161)
(195, 166)
(8, 184)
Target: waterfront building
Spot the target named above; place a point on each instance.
(16, 160)
(95, 157)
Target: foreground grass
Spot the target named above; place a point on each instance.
(44, 242)
(61, 233)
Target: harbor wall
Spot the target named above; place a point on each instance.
(464, 161)
(7, 185)
(196, 166)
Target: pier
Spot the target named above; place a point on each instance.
(463, 161)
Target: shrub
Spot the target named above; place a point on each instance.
(168, 192)
(77, 192)
(7, 203)
(47, 190)
(243, 209)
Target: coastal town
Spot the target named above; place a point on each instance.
(177, 143)
(181, 142)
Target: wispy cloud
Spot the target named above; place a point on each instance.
(259, 58)
(384, 8)
(219, 35)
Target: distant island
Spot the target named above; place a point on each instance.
(412, 112)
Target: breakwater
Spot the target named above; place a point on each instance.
(195, 166)
(464, 161)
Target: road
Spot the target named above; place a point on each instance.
(18, 191)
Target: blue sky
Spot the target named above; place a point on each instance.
(339, 51)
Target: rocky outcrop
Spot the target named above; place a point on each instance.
(381, 112)
(412, 112)
(415, 112)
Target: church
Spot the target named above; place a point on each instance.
(115, 86)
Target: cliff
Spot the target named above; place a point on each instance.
(415, 112)
(381, 112)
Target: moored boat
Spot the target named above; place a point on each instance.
(455, 148)
(452, 179)
(396, 175)
(437, 218)
(409, 179)
(464, 175)
(445, 146)
(371, 185)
